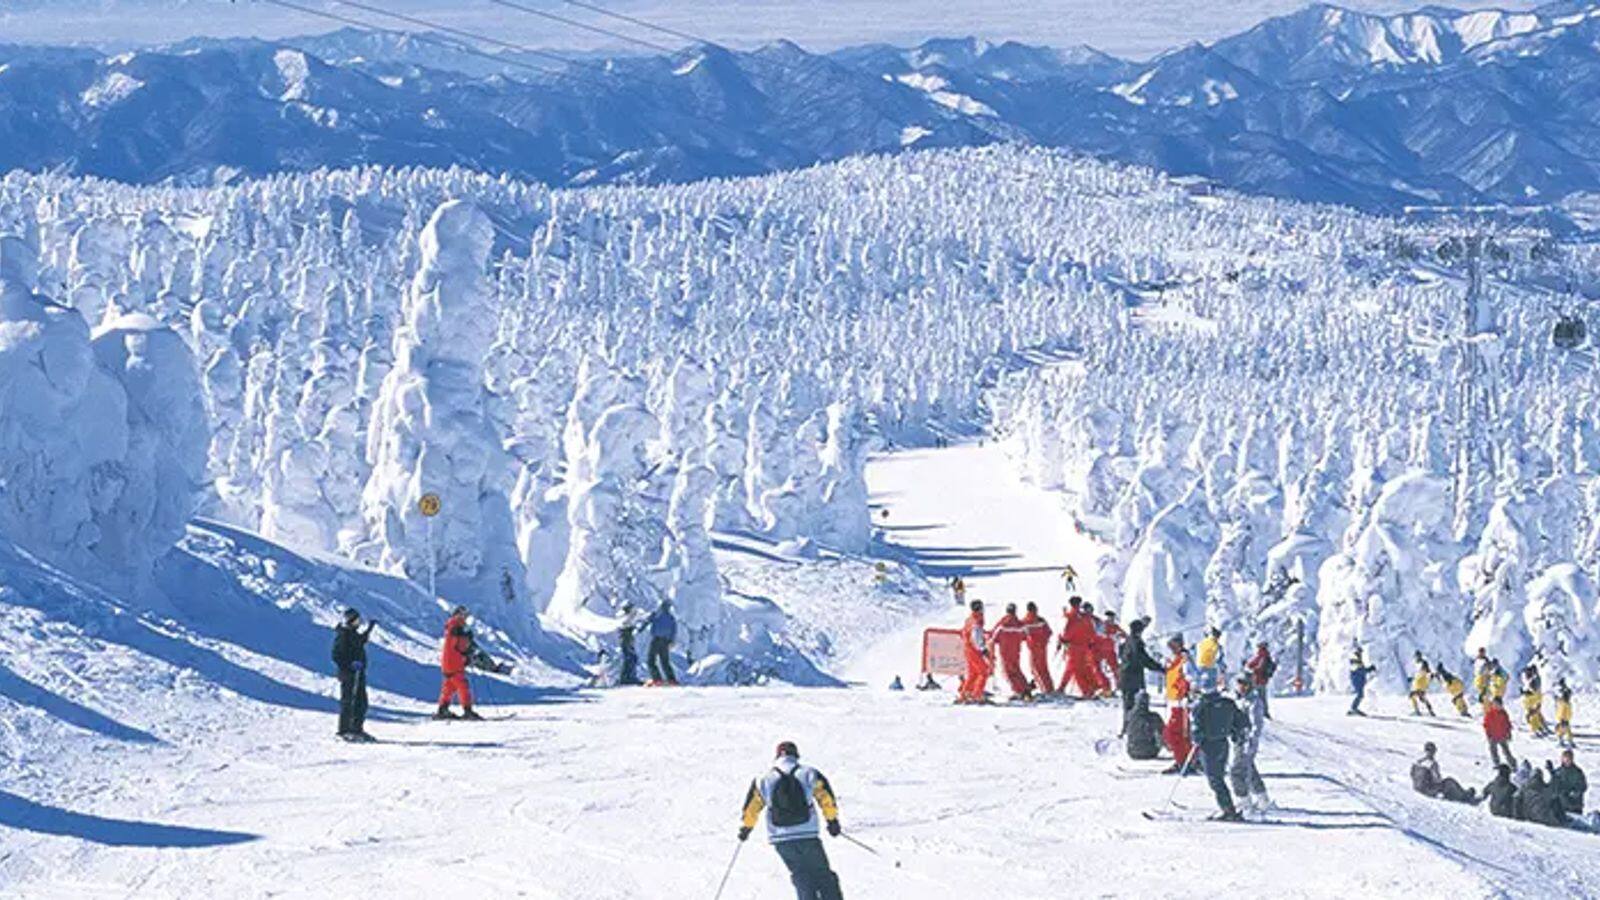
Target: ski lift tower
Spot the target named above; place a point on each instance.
(1476, 379)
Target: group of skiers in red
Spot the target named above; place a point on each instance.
(1089, 643)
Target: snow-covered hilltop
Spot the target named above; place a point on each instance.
(1263, 417)
(1427, 107)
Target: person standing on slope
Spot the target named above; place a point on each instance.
(1248, 786)
(1452, 684)
(1480, 676)
(1135, 662)
(791, 794)
(625, 641)
(1008, 636)
(1038, 634)
(958, 587)
(454, 656)
(1208, 654)
(1180, 675)
(1359, 672)
(1110, 641)
(1498, 680)
(350, 660)
(1563, 713)
(1419, 685)
(1261, 668)
(1077, 641)
(1497, 728)
(663, 632)
(975, 651)
(1217, 721)
(1533, 701)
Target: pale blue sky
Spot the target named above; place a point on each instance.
(1124, 27)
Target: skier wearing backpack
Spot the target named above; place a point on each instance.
(350, 659)
(663, 632)
(1261, 668)
(975, 651)
(1008, 636)
(1217, 721)
(458, 650)
(1038, 634)
(792, 794)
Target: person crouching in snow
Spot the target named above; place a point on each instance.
(1136, 661)
(1217, 721)
(1038, 632)
(975, 651)
(1246, 778)
(1180, 673)
(1009, 636)
(791, 794)
(453, 659)
(1143, 728)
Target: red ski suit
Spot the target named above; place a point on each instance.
(1078, 637)
(1105, 653)
(1176, 734)
(1038, 632)
(975, 648)
(1497, 724)
(453, 662)
(1009, 636)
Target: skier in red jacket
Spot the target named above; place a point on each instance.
(1077, 639)
(1038, 633)
(1497, 728)
(1107, 643)
(1009, 636)
(975, 649)
(453, 658)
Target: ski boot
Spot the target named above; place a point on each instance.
(1228, 815)
(467, 715)
(444, 713)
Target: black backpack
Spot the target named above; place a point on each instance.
(790, 806)
(1270, 669)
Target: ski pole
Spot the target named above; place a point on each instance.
(867, 848)
(1182, 773)
(724, 883)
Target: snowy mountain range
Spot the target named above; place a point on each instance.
(1429, 107)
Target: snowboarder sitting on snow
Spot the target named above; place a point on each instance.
(350, 659)
(1247, 783)
(459, 651)
(1134, 663)
(1359, 672)
(1538, 804)
(663, 632)
(1501, 793)
(1216, 722)
(1569, 784)
(1428, 782)
(1497, 728)
(791, 794)
(1143, 728)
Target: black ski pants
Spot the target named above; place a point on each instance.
(1214, 756)
(630, 660)
(808, 866)
(660, 660)
(352, 701)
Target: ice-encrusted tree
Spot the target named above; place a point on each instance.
(429, 432)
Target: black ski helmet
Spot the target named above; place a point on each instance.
(788, 749)
(351, 614)
(976, 606)
(1011, 609)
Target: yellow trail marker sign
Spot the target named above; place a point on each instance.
(429, 505)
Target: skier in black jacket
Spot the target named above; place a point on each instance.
(1217, 721)
(1133, 661)
(350, 658)
(1501, 793)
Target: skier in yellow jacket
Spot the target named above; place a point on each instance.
(792, 795)
(1419, 686)
(1533, 701)
(1563, 712)
(1456, 688)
